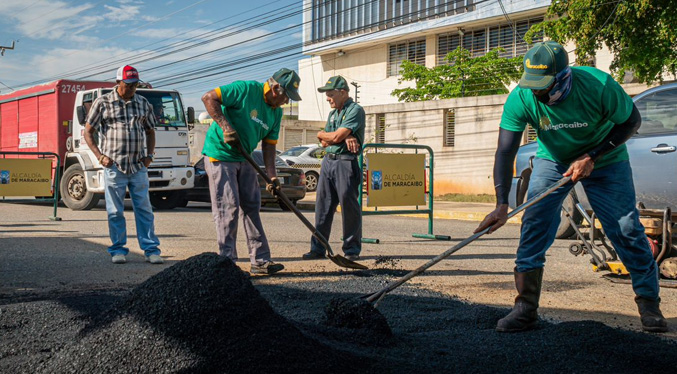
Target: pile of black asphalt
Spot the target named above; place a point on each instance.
(204, 315)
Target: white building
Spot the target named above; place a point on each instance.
(365, 41)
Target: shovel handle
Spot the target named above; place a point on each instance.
(282, 196)
(448, 252)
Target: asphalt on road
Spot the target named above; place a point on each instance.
(56, 276)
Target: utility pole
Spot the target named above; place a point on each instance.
(356, 90)
(3, 48)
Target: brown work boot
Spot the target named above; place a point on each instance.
(524, 315)
(650, 314)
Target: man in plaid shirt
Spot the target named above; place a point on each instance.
(124, 121)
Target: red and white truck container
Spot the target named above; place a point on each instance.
(51, 118)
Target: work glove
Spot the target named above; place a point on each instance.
(231, 138)
(274, 186)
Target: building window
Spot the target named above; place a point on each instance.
(380, 129)
(414, 51)
(449, 127)
(481, 41)
(332, 19)
(530, 135)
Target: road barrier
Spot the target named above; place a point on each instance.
(37, 177)
(398, 180)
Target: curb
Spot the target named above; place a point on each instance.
(437, 214)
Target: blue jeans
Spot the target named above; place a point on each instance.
(116, 183)
(611, 193)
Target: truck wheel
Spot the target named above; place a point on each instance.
(165, 200)
(311, 181)
(565, 230)
(74, 190)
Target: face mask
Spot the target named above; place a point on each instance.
(559, 91)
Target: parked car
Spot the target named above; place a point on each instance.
(293, 183)
(653, 159)
(307, 158)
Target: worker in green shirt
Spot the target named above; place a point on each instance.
(244, 113)
(582, 118)
(340, 174)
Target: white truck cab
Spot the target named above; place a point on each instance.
(82, 183)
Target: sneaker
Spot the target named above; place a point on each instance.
(155, 259)
(312, 256)
(353, 257)
(119, 259)
(268, 267)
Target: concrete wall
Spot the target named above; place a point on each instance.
(467, 166)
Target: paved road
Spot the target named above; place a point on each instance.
(39, 257)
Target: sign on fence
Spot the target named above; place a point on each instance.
(25, 177)
(395, 179)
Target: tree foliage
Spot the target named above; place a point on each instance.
(641, 34)
(463, 76)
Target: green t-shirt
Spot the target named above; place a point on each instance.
(576, 125)
(245, 109)
(352, 117)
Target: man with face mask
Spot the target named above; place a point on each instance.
(582, 118)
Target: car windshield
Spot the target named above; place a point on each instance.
(294, 151)
(166, 105)
(258, 157)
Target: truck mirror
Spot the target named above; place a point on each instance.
(191, 115)
(82, 116)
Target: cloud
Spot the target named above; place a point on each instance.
(46, 19)
(53, 65)
(123, 13)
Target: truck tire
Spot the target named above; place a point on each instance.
(565, 230)
(74, 190)
(165, 200)
(311, 181)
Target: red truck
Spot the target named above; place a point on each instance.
(51, 118)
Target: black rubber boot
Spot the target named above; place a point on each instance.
(650, 314)
(524, 315)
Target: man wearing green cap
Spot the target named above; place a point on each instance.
(244, 113)
(582, 118)
(339, 180)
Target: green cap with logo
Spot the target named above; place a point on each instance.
(335, 83)
(542, 63)
(289, 80)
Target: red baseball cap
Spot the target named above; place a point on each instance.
(127, 74)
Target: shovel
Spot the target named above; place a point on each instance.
(377, 296)
(337, 259)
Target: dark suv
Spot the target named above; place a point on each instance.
(653, 158)
(293, 183)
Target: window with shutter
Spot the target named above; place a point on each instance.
(449, 127)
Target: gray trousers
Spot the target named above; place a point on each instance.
(235, 190)
(339, 182)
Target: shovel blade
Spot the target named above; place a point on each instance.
(344, 262)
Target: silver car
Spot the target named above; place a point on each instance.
(308, 158)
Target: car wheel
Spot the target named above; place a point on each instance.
(164, 200)
(74, 191)
(311, 181)
(284, 206)
(565, 230)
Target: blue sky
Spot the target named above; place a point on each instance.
(89, 40)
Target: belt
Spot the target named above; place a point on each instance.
(334, 156)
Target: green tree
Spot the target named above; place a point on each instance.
(463, 76)
(641, 34)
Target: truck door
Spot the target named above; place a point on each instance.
(653, 151)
